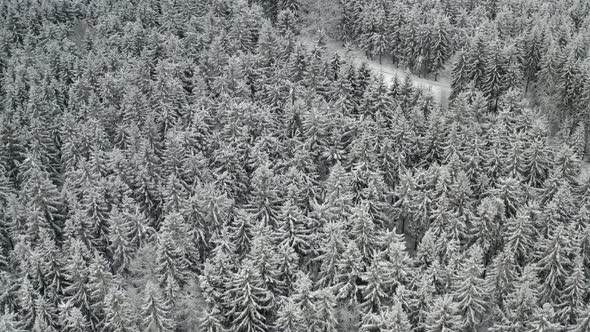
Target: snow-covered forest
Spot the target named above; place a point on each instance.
(211, 165)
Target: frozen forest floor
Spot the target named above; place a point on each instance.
(439, 89)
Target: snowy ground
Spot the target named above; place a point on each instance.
(440, 89)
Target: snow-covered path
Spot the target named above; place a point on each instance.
(440, 89)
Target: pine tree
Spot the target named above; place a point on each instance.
(532, 55)
(536, 163)
(303, 297)
(470, 291)
(395, 319)
(520, 236)
(77, 272)
(42, 196)
(45, 316)
(156, 314)
(331, 249)
(375, 287)
(551, 67)
(26, 297)
(476, 61)
(348, 274)
(520, 304)
(553, 265)
(363, 231)
(459, 75)
(575, 291)
(509, 191)
(119, 246)
(544, 320)
(443, 316)
(325, 314)
(241, 231)
(74, 321)
(172, 266)
(488, 223)
(565, 164)
(494, 79)
(265, 201)
(441, 45)
(9, 322)
(249, 300)
(118, 312)
(100, 281)
(52, 265)
(293, 228)
(290, 318)
(500, 276)
(265, 260)
(583, 323)
(396, 259)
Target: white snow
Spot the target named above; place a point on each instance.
(440, 89)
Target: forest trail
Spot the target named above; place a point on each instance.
(440, 89)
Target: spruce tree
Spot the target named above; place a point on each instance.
(553, 265)
(470, 290)
(156, 314)
(443, 316)
(9, 322)
(250, 301)
(290, 318)
(325, 311)
(118, 312)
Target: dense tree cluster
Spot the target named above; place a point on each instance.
(538, 46)
(189, 166)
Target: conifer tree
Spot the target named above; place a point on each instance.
(363, 231)
(325, 314)
(395, 319)
(74, 321)
(348, 273)
(520, 236)
(443, 316)
(575, 291)
(459, 75)
(290, 318)
(331, 251)
(544, 319)
(521, 302)
(304, 298)
(172, 266)
(583, 323)
(293, 228)
(441, 45)
(376, 285)
(26, 297)
(536, 163)
(119, 246)
(9, 322)
(265, 259)
(249, 300)
(553, 265)
(470, 291)
(156, 314)
(211, 321)
(77, 272)
(118, 312)
(45, 316)
(500, 277)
